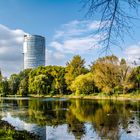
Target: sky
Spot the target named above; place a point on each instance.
(63, 24)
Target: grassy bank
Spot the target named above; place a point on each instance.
(130, 96)
(93, 96)
(8, 132)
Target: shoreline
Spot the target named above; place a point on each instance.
(89, 97)
(99, 97)
(9, 132)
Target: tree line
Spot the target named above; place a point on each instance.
(107, 75)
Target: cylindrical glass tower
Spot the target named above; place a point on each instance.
(34, 51)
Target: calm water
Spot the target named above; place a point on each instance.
(63, 119)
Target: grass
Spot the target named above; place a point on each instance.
(134, 95)
(8, 132)
(129, 96)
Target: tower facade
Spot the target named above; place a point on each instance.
(33, 51)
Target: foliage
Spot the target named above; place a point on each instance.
(14, 82)
(84, 84)
(0, 76)
(125, 85)
(4, 87)
(40, 84)
(134, 78)
(8, 132)
(74, 68)
(23, 86)
(106, 73)
(48, 80)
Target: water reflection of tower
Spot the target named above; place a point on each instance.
(42, 132)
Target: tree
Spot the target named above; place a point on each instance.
(74, 68)
(24, 74)
(23, 87)
(84, 84)
(59, 84)
(4, 87)
(106, 73)
(14, 82)
(55, 74)
(134, 78)
(40, 85)
(115, 18)
(124, 72)
(24, 81)
(0, 76)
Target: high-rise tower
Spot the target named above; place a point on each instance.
(34, 51)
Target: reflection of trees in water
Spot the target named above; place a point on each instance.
(75, 126)
(106, 122)
(138, 112)
(50, 113)
(106, 116)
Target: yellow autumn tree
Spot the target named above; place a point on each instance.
(106, 73)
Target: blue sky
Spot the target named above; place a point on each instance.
(65, 27)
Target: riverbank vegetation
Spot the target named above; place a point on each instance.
(8, 132)
(107, 75)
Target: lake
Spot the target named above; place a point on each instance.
(70, 119)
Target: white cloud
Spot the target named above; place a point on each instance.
(77, 37)
(133, 54)
(74, 45)
(54, 58)
(10, 50)
(59, 56)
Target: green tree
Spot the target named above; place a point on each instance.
(35, 78)
(84, 84)
(74, 68)
(56, 81)
(0, 76)
(40, 85)
(58, 85)
(24, 81)
(4, 88)
(14, 82)
(134, 78)
(23, 87)
(24, 74)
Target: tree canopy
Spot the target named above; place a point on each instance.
(74, 68)
(106, 75)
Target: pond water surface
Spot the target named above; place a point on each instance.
(64, 119)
